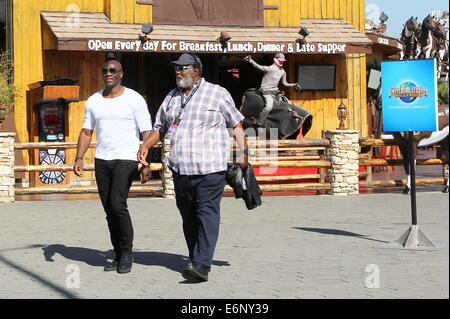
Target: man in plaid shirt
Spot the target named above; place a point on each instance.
(195, 117)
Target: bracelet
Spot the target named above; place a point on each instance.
(78, 158)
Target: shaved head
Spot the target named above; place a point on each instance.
(113, 63)
(112, 74)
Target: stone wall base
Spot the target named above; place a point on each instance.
(7, 180)
(343, 154)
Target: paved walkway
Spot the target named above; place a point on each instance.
(291, 247)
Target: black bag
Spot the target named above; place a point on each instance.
(244, 184)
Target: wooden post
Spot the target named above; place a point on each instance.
(444, 164)
(369, 168)
(7, 180)
(445, 172)
(322, 172)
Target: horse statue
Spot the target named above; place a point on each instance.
(429, 38)
(433, 40)
(425, 139)
(409, 38)
(290, 120)
(441, 35)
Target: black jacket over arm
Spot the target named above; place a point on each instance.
(244, 184)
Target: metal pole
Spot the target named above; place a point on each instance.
(412, 171)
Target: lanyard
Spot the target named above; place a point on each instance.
(185, 101)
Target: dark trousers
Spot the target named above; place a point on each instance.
(114, 180)
(198, 199)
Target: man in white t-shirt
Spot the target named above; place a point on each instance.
(118, 114)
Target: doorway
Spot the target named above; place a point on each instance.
(152, 74)
(2, 25)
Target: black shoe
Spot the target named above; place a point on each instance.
(197, 271)
(188, 268)
(125, 263)
(112, 266)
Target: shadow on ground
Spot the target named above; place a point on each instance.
(97, 258)
(337, 232)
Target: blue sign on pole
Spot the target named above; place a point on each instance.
(409, 95)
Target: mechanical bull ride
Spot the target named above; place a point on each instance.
(290, 120)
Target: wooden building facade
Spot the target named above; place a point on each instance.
(57, 39)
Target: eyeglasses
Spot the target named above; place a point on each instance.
(181, 68)
(110, 70)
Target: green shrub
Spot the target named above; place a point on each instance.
(443, 93)
(8, 91)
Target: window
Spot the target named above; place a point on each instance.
(317, 77)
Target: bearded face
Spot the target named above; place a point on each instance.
(184, 77)
(185, 82)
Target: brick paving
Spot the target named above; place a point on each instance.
(291, 247)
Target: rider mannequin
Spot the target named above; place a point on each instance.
(269, 84)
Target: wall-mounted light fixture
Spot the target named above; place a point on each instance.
(223, 39)
(383, 17)
(303, 32)
(146, 30)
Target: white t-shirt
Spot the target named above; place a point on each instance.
(118, 122)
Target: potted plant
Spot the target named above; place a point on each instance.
(8, 91)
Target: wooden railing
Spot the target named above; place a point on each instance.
(269, 154)
(291, 154)
(152, 188)
(367, 160)
(273, 155)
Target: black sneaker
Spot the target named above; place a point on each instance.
(125, 263)
(197, 271)
(112, 266)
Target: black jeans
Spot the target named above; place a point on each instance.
(114, 180)
(198, 198)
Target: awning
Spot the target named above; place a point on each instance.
(95, 32)
(384, 43)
